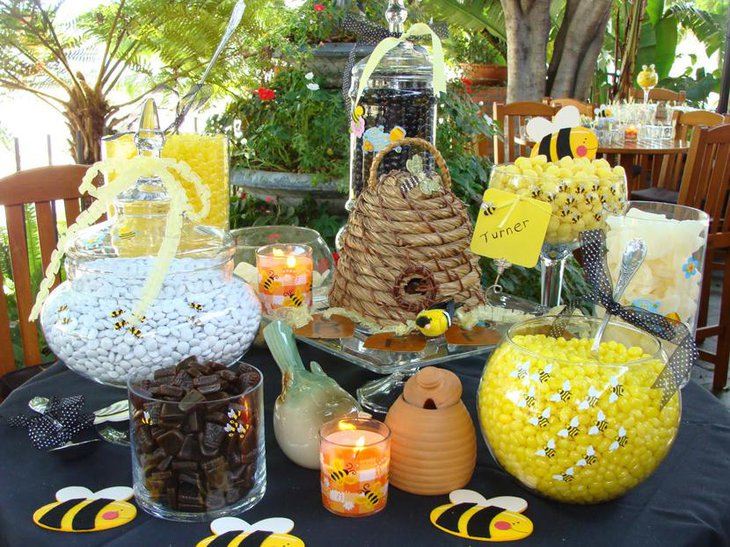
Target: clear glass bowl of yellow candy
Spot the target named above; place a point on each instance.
(579, 190)
(568, 425)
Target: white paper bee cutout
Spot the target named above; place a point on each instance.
(600, 424)
(589, 458)
(548, 451)
(591, 400)
(567, 476)
(521, 371)
(617, 390)
(571, 430)
(621, 440)
(542, 419)
(563, 394)
(528, 400)
(542, 375)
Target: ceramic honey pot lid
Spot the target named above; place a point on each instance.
(433, 388)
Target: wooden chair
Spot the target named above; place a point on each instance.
(659, 94)
(666, 185)
(509, 118)
(585, 109)
(41, 187)
(706, 186)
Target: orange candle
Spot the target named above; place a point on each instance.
(285, 276)
(631, 133)
(354, 461)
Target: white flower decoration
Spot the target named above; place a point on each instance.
(348, 505)
(313, 86)
(309, 75)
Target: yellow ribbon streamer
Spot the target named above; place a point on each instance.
(123, 174)
(385, 45)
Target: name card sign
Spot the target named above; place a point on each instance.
(511, 227)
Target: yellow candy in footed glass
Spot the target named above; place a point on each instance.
(207, 155)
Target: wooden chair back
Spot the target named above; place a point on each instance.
(42, 187)
(659, 94)
(672, 166)
(585, 109)
(706, 186)
(509, 118)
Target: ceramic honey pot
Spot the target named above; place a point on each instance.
(433, 443)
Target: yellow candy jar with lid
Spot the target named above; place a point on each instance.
(572, 426)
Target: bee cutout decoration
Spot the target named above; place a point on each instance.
(427, 184)
(357, 122)
(78, 509)
(562, 137)
(234, 532)
(471, 516)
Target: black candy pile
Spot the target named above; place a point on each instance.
(196, 434)
(411, 109)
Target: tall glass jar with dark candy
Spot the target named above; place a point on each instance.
(397, 102)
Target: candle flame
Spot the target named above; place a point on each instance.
(291, 261)
(359, 445)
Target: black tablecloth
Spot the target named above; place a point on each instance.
(686, 502)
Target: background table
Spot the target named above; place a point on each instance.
(685, 503)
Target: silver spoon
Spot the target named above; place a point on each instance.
(634, 254)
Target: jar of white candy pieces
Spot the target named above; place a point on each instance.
(150, 286)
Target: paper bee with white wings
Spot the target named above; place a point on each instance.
(563, 136)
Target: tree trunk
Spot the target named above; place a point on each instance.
(577, 46)
(528, 26)
(87, 112)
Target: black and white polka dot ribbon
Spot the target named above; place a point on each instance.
(370, 34)
(57, 425)
(676, 372)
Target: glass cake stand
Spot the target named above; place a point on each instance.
(378, 395)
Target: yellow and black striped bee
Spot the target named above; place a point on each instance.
(488, 208)
(141, 318)
(294, 297)
(65, 320)
(471, 516)
(565, 211)
(570, 199)
(600, 425)
(562, 186)
(563, 393)
(135, 331)
(574, 218)
(550, 196)
(590, 198)
(371, 496)
(120, 324)
(617, 390)
(269, 281)
(234, 532)
(598, 217)
(575, 142)
(528, 399)
(342, 474)
(542, 420)
(572, 430)
(621, 440)
(535, 192)
(581, 189)
(543, 375)
(116, 313)
(195, 306)
(62, 308)
(589, 458)
(566, 476)
(548, 450)
(78, 509)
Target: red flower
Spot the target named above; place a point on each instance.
(269, 199)
(265, 94)
(467, 84)
(336, 257)
(318, 7)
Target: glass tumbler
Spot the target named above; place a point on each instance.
(196, 458)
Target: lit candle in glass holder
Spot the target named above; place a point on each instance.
(354, 461)
(631, 133)
(285, 276)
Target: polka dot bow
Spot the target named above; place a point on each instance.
(676, 372)
(57, 425)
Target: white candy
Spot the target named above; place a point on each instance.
(199, 312)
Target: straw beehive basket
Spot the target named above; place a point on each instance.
(405, 250)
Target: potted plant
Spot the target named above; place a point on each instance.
(288, 138)
(481, 61)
